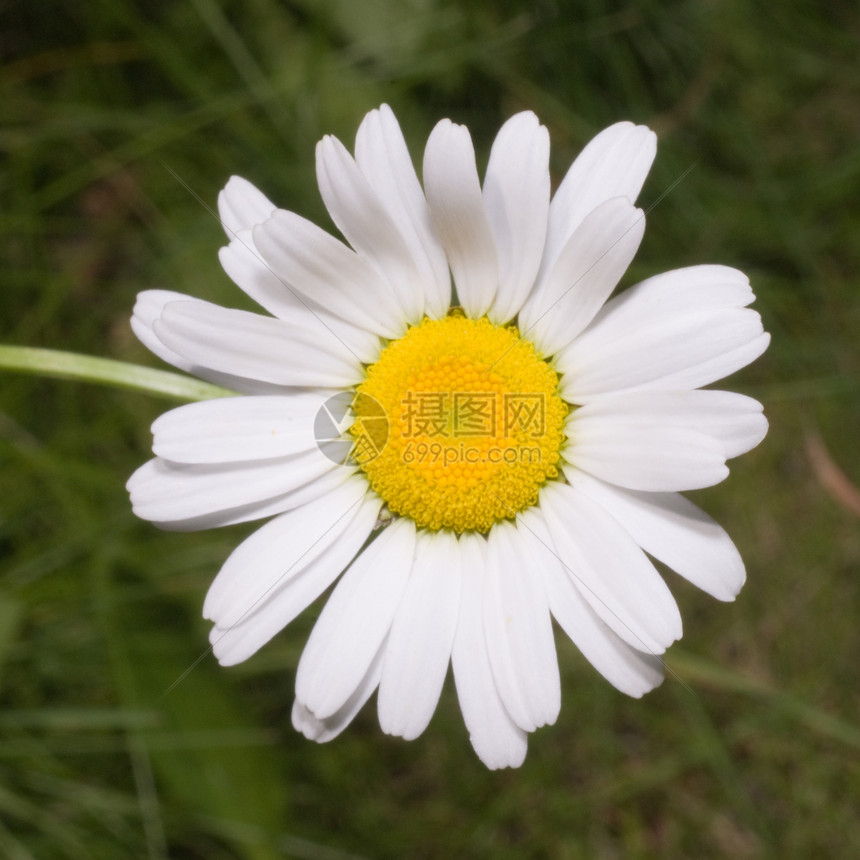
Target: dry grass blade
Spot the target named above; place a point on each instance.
(830, 475)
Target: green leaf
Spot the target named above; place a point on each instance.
(11, 610)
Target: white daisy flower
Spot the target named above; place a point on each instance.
(518, 441)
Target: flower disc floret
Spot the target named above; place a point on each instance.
(475, 424)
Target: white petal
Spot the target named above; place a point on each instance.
(267, 507)
(681, 300)
(586, 271)
(657, 459)
(325, 730)
(241, 205)
(518, 628)
(516, 197)
(235, 429)
(421, 637)
(381, 153)
(610, 570)
(247, 269)
(695, 288)
(162, 491)
(626, 668)
(732, 419)
(323, 269)
(675, 531)
(680, 352)
(497, 740)
(295, 585)
(256, 347)
(359, 214)
(613, 164)
(355, 621)
(147, 310)
(457, 207)
(280, 549)
(245, 266)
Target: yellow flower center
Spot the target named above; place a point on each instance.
(474, 424)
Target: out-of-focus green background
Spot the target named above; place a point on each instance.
(103, 105)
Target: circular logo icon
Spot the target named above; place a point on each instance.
(351, 429)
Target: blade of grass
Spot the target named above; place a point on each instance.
(698, 671)
(107, 371)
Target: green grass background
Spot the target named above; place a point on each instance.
(750, 749)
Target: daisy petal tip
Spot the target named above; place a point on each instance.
(210, 611)
(237, 185)
(150, 303)
(650, 138)
(527, 120)
(404, 731)
(647, 686)
(241, 205)
(444, 125)
(228, 658)
(643, 138)
(328, 146)
(760, 431)
(657, 683)
(306, 723)
(501, 757)
(382, 118)
(727, 590)
(629, 130)
(132, 482)
(721, 475)
(447, 139)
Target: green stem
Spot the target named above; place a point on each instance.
(107, 371)
(688, 667)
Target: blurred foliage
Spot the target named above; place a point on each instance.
(119, 735)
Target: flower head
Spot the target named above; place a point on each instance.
(466, 462)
